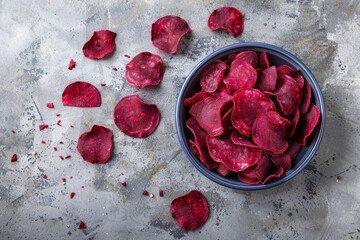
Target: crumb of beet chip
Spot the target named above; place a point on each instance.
(82, 225)
(67, 157)
(145, 193)
(14, 158)
(43, 142)
(61, 157)
(58, 123)
(58, 115)
(72, 195)
(71, 126)
(61, 142)
(50, 105)
(71, 177)
(114, 68)
(72, 64)
(43, 126)
(45, 176)
(55, 148)
(161, 193)
(127, 56)
(63, 180)
(13, 131)
(103, 84)
(124, 184)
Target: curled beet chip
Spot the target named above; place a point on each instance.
(241, 75)
(211, 77)
(190, 211)
(145, 69)
(257, 173)
(248, 103)
(226, 120)
(264, 60)
(269, 132)
(239, 139)
(167, 32)
(299, 79)
(306, 99)
(193, 148)
(207, 113)
(135, 117)
(95, 146)
(276, 174)
(232, 57)
(189, 102)
(200, 143)
(235, 157)
(222, 169)
(249, 57)
(81, 94)
(284, 160)
(288, 94)
(100, 44)
(283, 70)
(227, 18)
(293, 120)
(307, 124)
(267, 80)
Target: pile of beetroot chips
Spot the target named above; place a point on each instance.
(250, 118)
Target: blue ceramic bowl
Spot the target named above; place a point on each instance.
(277, 56)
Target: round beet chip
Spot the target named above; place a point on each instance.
(136, 118)
(257, 173)
(189, 102)
(288, 94)
(267, 80)
(145, 69)
(81, 94)
(100, 44)
(264, 60)
(167, 32)
(211, 77)
(269, 132)
(241, 75)
(283, 70)
(227, 18)
(307, 124)
(190, 211)
(249, 57)
(95, 146)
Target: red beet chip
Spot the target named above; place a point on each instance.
(288, 94)
(211, 77)
(190, 211)
(257, 172)
(306, 99)
(232, 57)
(67, 157)
(13, 158)
(43, 142)
(248, 103)
(208, 113)
(59, 123)
(284, 160)
(200, 143)
(145, 193)
(167, 32)
(307, 124)
(72, 64)
(95, 146)
(241, 75)
(226, 120)
(293, 120)
(100, 44)
(194, 149)
(161, 193)
(283, 70)
(222, 169)
(189, 102)
(145, 69)
(72, 195)
(269, 132)
(50, 105)
(249, 57)
(264, 60)
(135, 117)
(61, 157)
(267, 80)
(235, 157)
(299, 79)
(239, 139)
(43, 126)
(81, 94)
(227, 18)
(277, 173)
(82, 225)
(124, 184)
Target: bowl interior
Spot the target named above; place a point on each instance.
(277, 57)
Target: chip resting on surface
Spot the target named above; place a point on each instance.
(100, 44)
(227, 18)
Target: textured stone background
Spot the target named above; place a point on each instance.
(38, 38)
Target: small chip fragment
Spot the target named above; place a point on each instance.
(161, 193)
(211, 77)
(43, 126)
(58, 123)
(72, 195)
(13, 158)
(82, 225)
(67, 157)
(100, 44)
(50, 105)
(61, 157)
(124, 184)
(63, 180)
(72, 64)
(81, 94)
(43, 142)
(227, 18)
(145, 193)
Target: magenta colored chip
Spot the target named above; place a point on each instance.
(81, 94)
(127, 56)
(293, 120)
(72, 64)
(63, 180)
(278, 172)
(61, 142)
(161, 193)
(72, 195)
(67, 157)
(235, 157)
(299, 79)
(50, 105)
(227, 18)
(241, 75)
(264, 60)
(43, 142)
(249, 57)
(103, 84)
(55, 148)
(61, 157)
(82, 225)
(306, 99)
(189, 102)
(239, 139)
(13, 158)
(288, 94)
(58, 123)
(43, 126)
(284, 160)
(283, 70)
(212, 76)
(267, 80)
(114, 69)
(45, 177)
(222, 169)
(269, 132)
(100, 44)
(167, 32)
(248, 103)
(95, 146)
(232, 57)
(307, 124)
(257, 173)
(124, 184)
(145, 69)
(145, 193)
(200, 143)
(194, 148)
(136, 118)
(208, 113)
(190, 211)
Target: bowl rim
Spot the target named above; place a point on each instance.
(227, 182)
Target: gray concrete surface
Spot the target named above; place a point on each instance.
(38, 38)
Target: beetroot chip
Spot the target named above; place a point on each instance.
(82, 225)
(249, 57)
(135, 117)
(257, 173)
(72, 64)
(288, 94)
(306, 99)
(264, 60)
(278, 172)
(251, 179)
(194, 149)
(248, 103)
(14, 158)
(100, 44)
(283, 70)
(145, 69)
(284, 160)
(167, 32)
(241, 75)
(81, 94)
(239, 139)
(189, 102)
(267, 80)
(200, 143)
(299, 79)
(222, 169)
(307, 124)
(208, 113)
(95, 146)
(269, 132)
(212, 76)
(50, 105)
(235, 157)
(227, 18)
(293, 120)
(190, 211)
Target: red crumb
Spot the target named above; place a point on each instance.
(55, 148)
(72, 64)
(145, 193)
(14, 158)
(124, 184)
(71, 177)
(161, 192)
(45, 176)
(43, 142)
(58, 123)
(72, 195)
(127, 56)
(67, 157)
(13, 131)
(43, 126)
(71, 126)
(61, 157)
(50, 105)
(82, 225)
(58, 115)
(63, 180)
(103, 84)
(114, 68)
(61, 142)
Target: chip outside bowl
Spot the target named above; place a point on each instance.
(277, 56)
